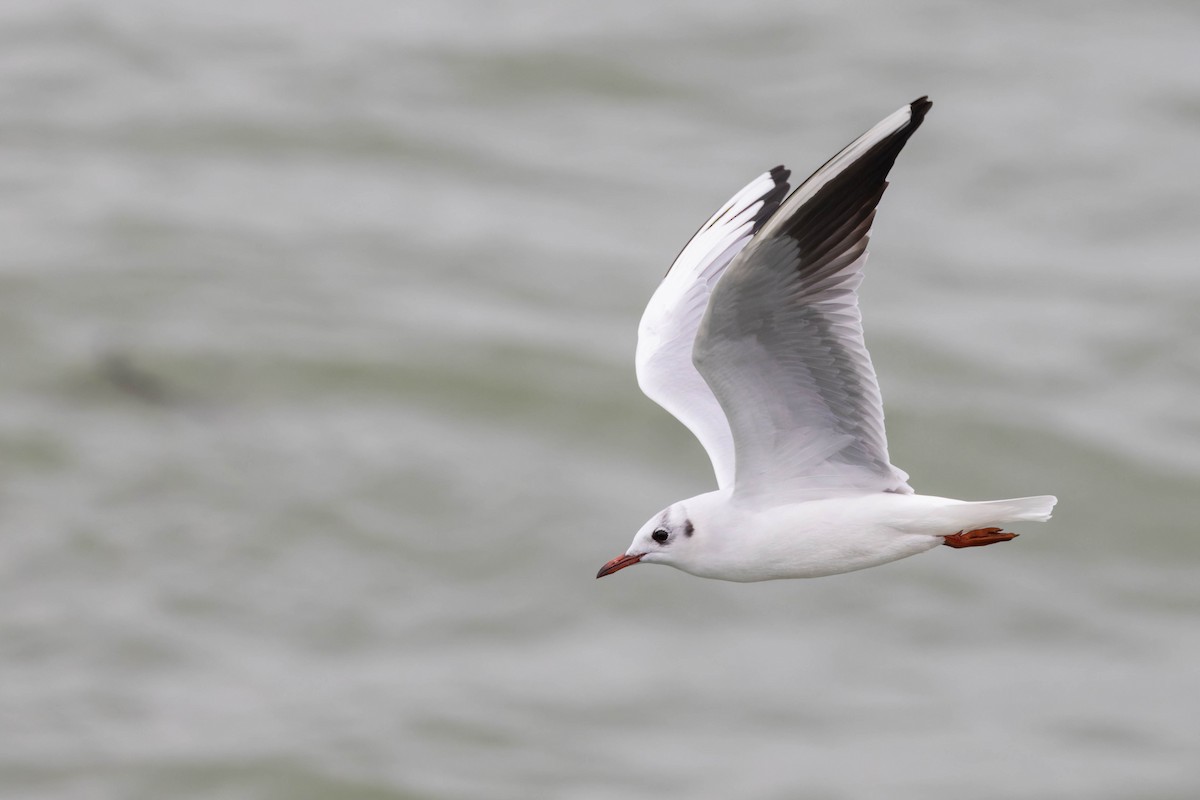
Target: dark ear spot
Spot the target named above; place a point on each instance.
(688, 527)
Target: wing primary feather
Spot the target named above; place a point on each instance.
(770, 204)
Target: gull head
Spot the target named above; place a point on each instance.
(673, 536)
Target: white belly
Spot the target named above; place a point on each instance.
(824, 537)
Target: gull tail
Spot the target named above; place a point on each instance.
(1017, 509)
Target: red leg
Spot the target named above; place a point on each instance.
(977, 538)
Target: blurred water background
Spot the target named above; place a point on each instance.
(318, 414)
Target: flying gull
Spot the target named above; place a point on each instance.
(754, 341)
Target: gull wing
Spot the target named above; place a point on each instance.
(668, 329)
(781, 344)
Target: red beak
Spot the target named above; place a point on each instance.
(620, 562)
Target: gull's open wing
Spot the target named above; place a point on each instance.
(668, 328)
(781, 344)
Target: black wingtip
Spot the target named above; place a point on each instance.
(919, 108)
(773, 198)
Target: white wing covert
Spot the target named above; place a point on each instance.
(668, 328)
(781, 344)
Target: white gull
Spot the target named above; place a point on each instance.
(754, 341)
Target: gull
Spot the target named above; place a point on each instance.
(754, 341)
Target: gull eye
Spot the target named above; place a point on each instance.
(660, 535)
